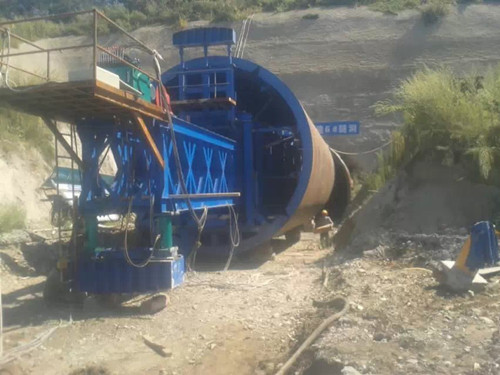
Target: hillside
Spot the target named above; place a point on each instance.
(251, 318)
(339, 65)
(133, 14)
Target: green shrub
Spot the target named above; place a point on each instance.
(18, 128)
(434, 11)
(451, 119)
(225, 14)
(137, 19)
(311, 16)
(388, 162)
(133, 14)
(394, 6)
(181, 24)
(37, 30)
(12, 216)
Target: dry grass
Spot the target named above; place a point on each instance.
(18, 129)
(450, 118)
(12, 216)
(434, 11)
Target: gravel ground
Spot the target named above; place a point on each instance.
(402, 322)
(242, 321)
(250, 319)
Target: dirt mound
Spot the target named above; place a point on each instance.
(428, 205)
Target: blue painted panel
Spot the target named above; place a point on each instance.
(484, 246)
(110, 273)
(209, 36)
(196, 132)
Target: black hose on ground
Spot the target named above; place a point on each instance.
(314, 335)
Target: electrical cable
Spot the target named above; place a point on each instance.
(5, 75)
(364, 152)
(125, 242)
(2, 52)
(234, 234)
(199, 221)
(244, 42)
(191, 261)
(175, 149)
(240, 37)
(17, 352)
(314, 335)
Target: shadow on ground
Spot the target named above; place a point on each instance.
(27, 307)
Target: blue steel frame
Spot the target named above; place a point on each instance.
(207, 161)
(208, 164)
(302, 127)
(206, 81)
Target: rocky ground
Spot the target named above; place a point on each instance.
(241, 321)
(250, 319)
(402, 322)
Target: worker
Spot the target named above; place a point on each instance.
(323, 226)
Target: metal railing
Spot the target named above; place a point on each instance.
(96, 19)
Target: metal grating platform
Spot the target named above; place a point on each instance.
(70, 101)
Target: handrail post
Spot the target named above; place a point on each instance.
(48, 66)
(95, 44)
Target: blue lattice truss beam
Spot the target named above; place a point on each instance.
(207, 162)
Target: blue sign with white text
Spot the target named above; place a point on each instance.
(338, 128)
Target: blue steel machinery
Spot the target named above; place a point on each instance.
(242, 164)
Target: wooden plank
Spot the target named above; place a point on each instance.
(149, 139)
(69, 101)
(47, 89)
(127, 100)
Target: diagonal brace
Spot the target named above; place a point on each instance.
(149, 139)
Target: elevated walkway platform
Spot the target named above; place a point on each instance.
(70, 80)
(70, 101)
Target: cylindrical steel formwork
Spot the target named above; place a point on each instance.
(304, 169)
